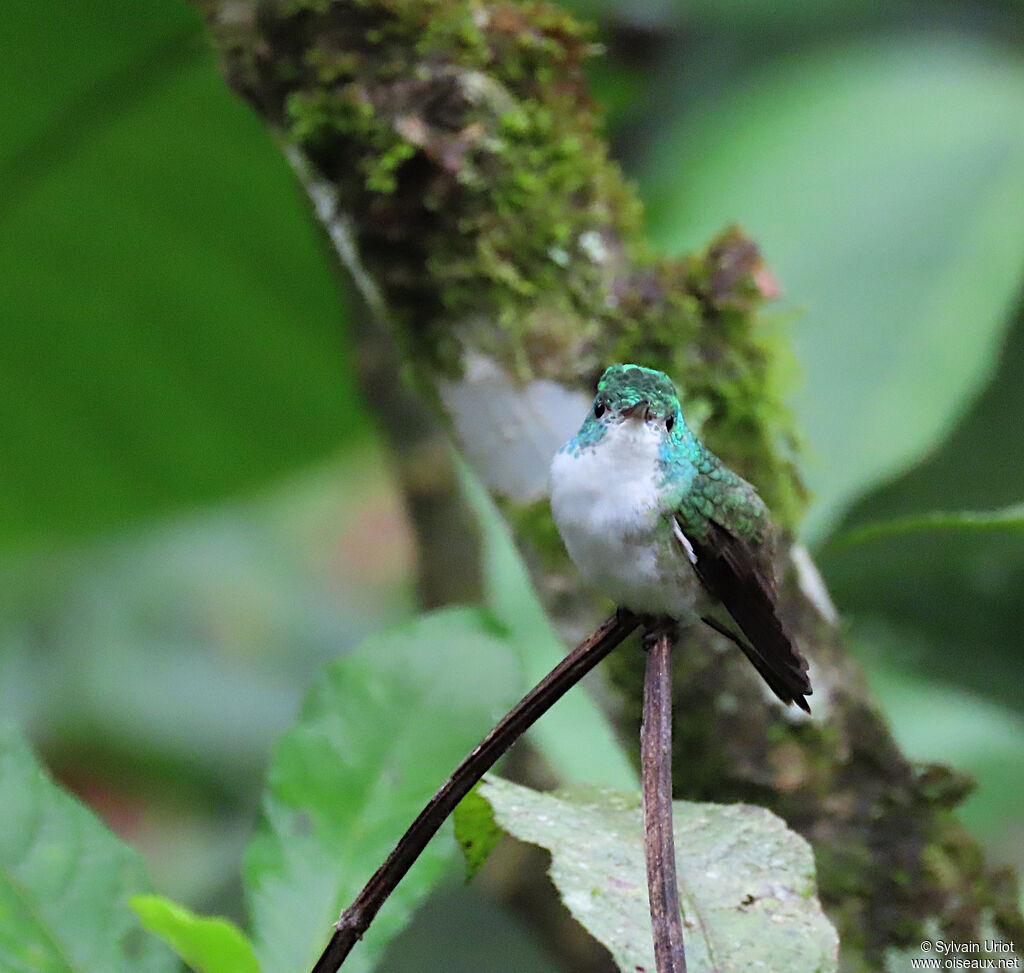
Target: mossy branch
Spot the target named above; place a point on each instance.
(472, 198)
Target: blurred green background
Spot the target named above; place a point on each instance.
(196, 512)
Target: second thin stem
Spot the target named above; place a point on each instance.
(659, 844)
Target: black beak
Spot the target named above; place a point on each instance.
(639, 410)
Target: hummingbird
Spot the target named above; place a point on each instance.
(655, 521)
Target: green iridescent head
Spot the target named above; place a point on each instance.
(643, 397)
(632, 391)
(638, 395)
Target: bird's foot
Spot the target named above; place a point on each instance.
(655, 626)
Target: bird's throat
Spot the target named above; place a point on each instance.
(608, 503)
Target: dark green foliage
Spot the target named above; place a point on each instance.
(172, 334)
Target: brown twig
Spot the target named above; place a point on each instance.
(656, 763)
(356, 919)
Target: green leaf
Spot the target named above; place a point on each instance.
(378, 735)
(959, 593)
(475, 831)
(746, 882)
(1009, 518)
(575, 736)
(208, 945)
(171, 327)
(876, 178)
(65, 880)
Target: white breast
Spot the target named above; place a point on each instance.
(606, 502)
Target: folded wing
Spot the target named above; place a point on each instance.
(739, 576)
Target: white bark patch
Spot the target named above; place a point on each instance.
(509, 432)
(812, 584)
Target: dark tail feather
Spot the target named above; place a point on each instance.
(738, 574)
(790, 683)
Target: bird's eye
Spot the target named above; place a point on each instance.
(669, 423)
(599, 409)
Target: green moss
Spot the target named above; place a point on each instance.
(943, 786)
(462, 142)
(319, 116)
(728, 361)
(846, 871)
(451, 112)
(457, 30)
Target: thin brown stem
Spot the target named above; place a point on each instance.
(356, 919)
(659, 846)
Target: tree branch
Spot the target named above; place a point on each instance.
(356, 919)
(659, 842)
(447, 542)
